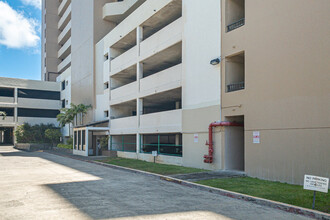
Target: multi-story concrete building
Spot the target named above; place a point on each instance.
(152, 71)
(27, 101)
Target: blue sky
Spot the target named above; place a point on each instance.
(20, 25)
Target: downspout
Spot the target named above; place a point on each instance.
(209, 157)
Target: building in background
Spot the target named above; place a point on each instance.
(27, 101)
(152, 72)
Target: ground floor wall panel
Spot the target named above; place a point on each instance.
(195, 124)
(149, 158)
(286, 155)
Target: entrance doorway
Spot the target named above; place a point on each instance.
(234, 145)
(7, 135)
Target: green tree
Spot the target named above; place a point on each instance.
(70, 115)
(3, 114)
(53, 135)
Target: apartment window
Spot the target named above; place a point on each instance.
(38, 94)
(235, 14)
(6, 92)
(37, 113)
(63, 103)
(9, 112)
(106, 85)
(235, 72)
(106, 114)
(63, 85)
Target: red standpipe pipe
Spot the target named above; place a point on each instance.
(209, 157)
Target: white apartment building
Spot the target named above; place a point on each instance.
(27, 101)
(159, 73)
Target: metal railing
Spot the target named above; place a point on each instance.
(122, 146)
(161, 148)
(235, 86)
(236, 24)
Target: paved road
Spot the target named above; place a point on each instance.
(44, 186)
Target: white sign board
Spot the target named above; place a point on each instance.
(316, 183)
(196, 138)
(256, 137)
(154, 153)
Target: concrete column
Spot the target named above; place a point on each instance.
(177, 105)
(177, 139)
(139, 38)
(138, 146)
(15, 95)
(86, 139)
(15, 114)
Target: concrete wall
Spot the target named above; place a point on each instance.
(200, 81)
(287, 93)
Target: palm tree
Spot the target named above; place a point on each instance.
(3, 114)
(69, 115)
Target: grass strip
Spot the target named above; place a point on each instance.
(162, 169)
(276, 191)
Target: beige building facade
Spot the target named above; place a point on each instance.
(158, 73)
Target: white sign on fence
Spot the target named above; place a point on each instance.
(154, 153)
(316, 183)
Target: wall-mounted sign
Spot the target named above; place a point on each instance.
(196, 138)
(256, 137)
(316, 183)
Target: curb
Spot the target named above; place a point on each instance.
(264, 202)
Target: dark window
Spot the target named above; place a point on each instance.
(63, 103)
(63, 85)
(8, 111)
(6, 92)
(106, 114)
(38, 94)
(37, 113)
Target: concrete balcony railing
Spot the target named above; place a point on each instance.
(123, 61)
(65, 34)
(6, 100)
(65, 50)
(63, 6)
(168, 121)
(165, 80)
(126, 125)
(124, 93)
(7, 120)
(65, 19)
(161, 39)
(64, 64)
(115, 11)
(106, 71)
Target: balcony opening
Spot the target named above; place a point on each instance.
(165, 59)
(123, 110)
(9, 112)
(235, 72)
(234, 145)
(162, 18)
(6, 135)
(164, 144)
(125, 143)
(123, 78)
(123, 45)
(235, 14)
(7, 92)
(165, 101)
(63, 103)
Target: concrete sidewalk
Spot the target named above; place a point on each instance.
(39, 185)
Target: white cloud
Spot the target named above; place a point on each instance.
(16, 31)
(35, 3)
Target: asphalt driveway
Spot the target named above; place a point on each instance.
(44, 186)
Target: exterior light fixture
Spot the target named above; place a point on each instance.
(215, 61)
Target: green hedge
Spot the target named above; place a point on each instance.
(27, 133)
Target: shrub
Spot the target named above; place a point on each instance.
(32, 134)
(54, 135)
(70, 141)
(104, 142)
(65, 146)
